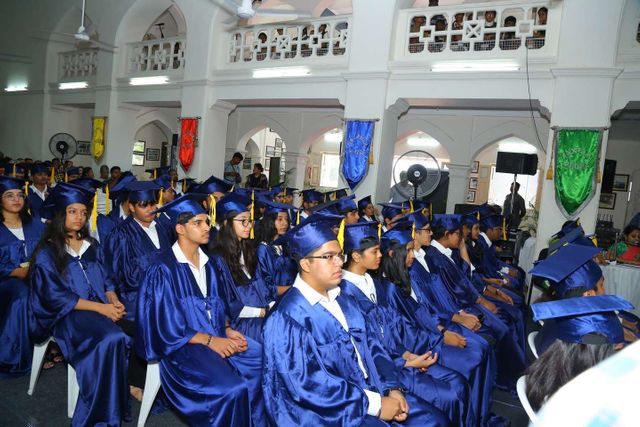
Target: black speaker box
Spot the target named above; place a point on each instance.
(517, 163)
(608, 175)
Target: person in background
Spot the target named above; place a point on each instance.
(257, 179)
(104, 172)
(87, 172)
(401, 191)
(232, 169)
(39, 189)
(367, 210)
(514, 216)
(628, 250)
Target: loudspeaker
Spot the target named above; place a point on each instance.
(517, 163)
(608, 175)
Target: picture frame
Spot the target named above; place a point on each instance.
(246, 163)
(153, 154)
(473, 183)
(84, 148)
(471, 196)
(484, 171)
(139, 146)
(278, 143)
(475, 166)
(607, 201)
(137, 159)
(270, 151)
(621, 182)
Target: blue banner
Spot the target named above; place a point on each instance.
(355, 151)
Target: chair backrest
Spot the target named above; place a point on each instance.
(532, 343)
(521, 388)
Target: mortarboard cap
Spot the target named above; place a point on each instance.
(418, 219)
(311, 195)
(491, 221)
(87, 183)
(313, 232)
(118, 190)
(364, 202)
(327, 208)
(63, 195)
(211, 185)
(158, 172)
(188, 203)
(72, 171)
(340, 193)
(39, 168)
(346, 204)
(447, 221)
(163, 182)
(400, 233)
(275, 207)
(355, 233)
(142, 191)
(470, 219)
(13, 169)
(232, 203)
(389, 210)
(11, 183)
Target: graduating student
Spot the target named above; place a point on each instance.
(322, 364)
(99, 225)
(462, 295)
(412, 348)
(209, 372)
(235, 257)
(391, 213)
(19, 235)
(118, 194)
(72, 299)
(462, 349)
(38, 190)
(274, 265)
(166, 195)
(214, 188)
(367, 210)
(310, 199)
(132, 245)
(492, 230)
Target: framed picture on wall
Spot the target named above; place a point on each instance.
(315, 175)
(153, 154)
(137, 159)
(471, 196)
(278, 143)
(84, 148)
(607, 201)
(475, 167)
(138, 147)
(473, 183)
(620, 182)
(246, 163)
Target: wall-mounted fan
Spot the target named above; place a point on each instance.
(63, 146)
(244, 10)
(422, 173)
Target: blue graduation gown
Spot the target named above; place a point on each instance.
(16, 348)
(276, 269)
(255, 293)
(95, 346)
(444, 388)
(510, 355)
(491, 264)
(128, 251)
(311, 374)
(105, 225)
(35, 203)
(476, 362)
(206, 388)
(114, 215)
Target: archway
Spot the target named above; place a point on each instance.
(323, 166)
(150, 148)
(263, 145)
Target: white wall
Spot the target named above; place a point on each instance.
(154, 136)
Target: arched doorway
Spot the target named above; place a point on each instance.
(323, 166)
(266, 147)
(150, 148)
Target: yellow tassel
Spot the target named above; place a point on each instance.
(13, 174)
(253, 194)
(379, 230)
(298, 217)
(26, 188)
(341, 234)
(232, 188)
(155, 174)
(413, 231)
(94, 213)
(184, 185)
(478, 215)
(595, 241)
(598, 175)
(411, 206)
(66, 177)
(212, 210)
(550, 172)
(578, 221)
(159, 205)
(504, 228)
(52, 178)
(107, 204)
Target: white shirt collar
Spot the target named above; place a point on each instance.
(364, 283)
(122, 212)
(420, 255)
(441, 249)
(83, 249)
(312, 295)
(486, 238)
(152, 225)
(41, 194)
(182, 258)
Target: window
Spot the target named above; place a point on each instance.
(330, 170)
(501, 183)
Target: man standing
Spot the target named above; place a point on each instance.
(515, 215)
(232, 169)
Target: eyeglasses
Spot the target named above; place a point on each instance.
(14, 196)
(246, 222)
(340, 257)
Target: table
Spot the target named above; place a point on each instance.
(623, 280)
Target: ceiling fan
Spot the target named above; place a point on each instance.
(244, 10)
(84, 34)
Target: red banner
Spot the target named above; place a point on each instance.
(188, 137)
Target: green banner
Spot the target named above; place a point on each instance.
(576, 163)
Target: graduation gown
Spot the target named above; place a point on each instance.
(509, 353)
(35, 203)
(95, 346)
(128, 251)
(311, 374)
(444, 388)
(207, 389)
(257, 292)
(476, 362)
(16, 348)
(275, 267)
(491, 264)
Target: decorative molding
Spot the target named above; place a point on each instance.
(366, 75)
(611, 72)
(10, 57)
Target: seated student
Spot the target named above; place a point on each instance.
(322, 364)
(492, 230)
(72, 299)
(166, 194)
(99, 225)
(367, 210)
(348, 209)
(209, 372)
(118, 195)
(627, 251)
(19, 235)
(235, 257)
(215, 188)
(462, 349)
(585, 339)
(460, 291)
(391, 213)
(310, 199)
(274, 265)
(412, 348)
(38, 190)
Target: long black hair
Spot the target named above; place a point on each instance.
(231, 249)
(266, 228)
(55, 236)
(394, 268)
(559, 364)
(366, 243)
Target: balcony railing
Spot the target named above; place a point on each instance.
(319, 39)
(77, 65)
(159, 56)
(478, 30)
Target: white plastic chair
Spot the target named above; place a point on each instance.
(531, 339)
(39, 351)
(521, 388)
(151, 387)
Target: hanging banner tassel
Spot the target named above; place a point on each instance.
(340, 236)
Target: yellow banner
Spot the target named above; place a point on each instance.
(98, 140)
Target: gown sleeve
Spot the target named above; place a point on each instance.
(227, 288)
(266, 267)
(9, 260)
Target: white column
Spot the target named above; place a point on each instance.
(458, 175)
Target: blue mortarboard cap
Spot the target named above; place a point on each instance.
(470, 219)
(232, 202)
(142, 191)
(400, 233)
(63, 195)
(355, 233)
(389, 210)
(484, 210)
(278, 188)
(211, 185)
(39, 168)
(580, 316)
(163, 182)
(311, 195)
(73, 171)
(10, 183)
(576, 236)
(347, 204)
(245, 192)
(188, 203)
(290, 191)
(418, 218)
(364, 202)
(88, 183)
(310, 234)
(570, 267)
(491, 221)
(10, 168)
(340, 193)
(158, 172)
(275, 207)
(118, 191)
(327, 208)
(447, 221)
(185, 184)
